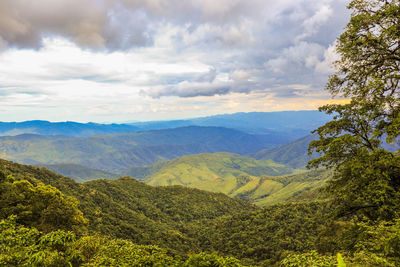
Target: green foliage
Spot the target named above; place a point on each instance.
(362, 244)
(312, 258)
(369, 49)
(366, 175)
(21, 246)
(211, 260)
(262, 236)
(126, 208)
(381, 241)
(42, 206)
(117, 252)
(178, 226)
(340, 260)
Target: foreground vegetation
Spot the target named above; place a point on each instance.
(125, 222)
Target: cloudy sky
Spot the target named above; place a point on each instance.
(121, 60)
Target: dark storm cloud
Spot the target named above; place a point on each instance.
(112, 24)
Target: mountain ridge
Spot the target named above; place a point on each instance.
(281, 125)
(116, 153)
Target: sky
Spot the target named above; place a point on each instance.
(139, 60)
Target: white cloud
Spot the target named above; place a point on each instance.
(300, 55)
(95, 60)
(240, 76)
(312, 24)
(330, 56)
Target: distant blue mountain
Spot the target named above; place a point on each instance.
(115, 153)
(68, 128)
(279, 127)
(294, 154)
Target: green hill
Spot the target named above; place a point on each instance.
(79, 173)
(257, 181)
(129, 209)
(190, 226)
(181, 220)
(293, 154)
(268, 190)
(116, 153)
(216, 172)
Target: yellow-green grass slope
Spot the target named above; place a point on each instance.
(262, 182)
(268, 190)
(215, 172)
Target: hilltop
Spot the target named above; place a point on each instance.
(262, 182)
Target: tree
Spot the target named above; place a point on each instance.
(356, 142)
(41, 206)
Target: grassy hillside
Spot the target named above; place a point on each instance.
(267, 190)
(79, 173)
(257, 181)
(293, 154)
(216, 172)
(115, 153)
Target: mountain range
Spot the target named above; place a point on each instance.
(280, 126)
(68, 128)
(116, 153)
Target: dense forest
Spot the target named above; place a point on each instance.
(352, 218)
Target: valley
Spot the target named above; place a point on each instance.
(190, 191)
(116, 153)
(188, 156)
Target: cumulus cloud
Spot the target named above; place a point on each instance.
(240, 76)
(330, 56)
(126, 54)
(311, 25)
(207, 77)
(123, 24)
(187, 89)
(303, 54)
(194, 89)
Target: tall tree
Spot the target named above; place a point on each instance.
(366, 182)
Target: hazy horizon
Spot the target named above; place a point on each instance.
(156, 120)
